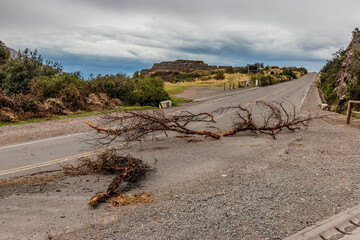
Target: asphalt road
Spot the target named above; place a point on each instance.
(46, 154)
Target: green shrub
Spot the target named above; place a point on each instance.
(288, 71)
(243, 70)
(219, 75)
(16, 73)
(188, 77)
(55, 86)
(329, 75)
(4, 53)
(265, 80)
(303, 71)
(229, 70)
(150, 91)
(115, 86)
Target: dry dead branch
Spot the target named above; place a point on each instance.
(6, 102)
(127, 169)
(276, 117)
(135, 125)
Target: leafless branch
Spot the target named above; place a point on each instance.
(276, 117)
(135, 125)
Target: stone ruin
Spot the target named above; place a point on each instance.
(185, 66)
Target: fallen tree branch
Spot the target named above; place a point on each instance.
(135, 125)
(276, 117)
(128, 169)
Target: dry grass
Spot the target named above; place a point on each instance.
(126, 199)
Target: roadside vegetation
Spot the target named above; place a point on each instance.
(234, 77)
(33, 88)
(340, 76)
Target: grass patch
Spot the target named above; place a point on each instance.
(84, 114)
(172, 89)
(176, 101)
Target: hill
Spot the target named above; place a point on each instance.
(340, 77)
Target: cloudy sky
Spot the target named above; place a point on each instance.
(111, 36)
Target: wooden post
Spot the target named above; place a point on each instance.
(348, 115)
(229, 86)
(233, 85)
(239, 84)
(224, 86)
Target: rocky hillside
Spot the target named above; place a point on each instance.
(13, 53)
(340, 77)
(349, 73)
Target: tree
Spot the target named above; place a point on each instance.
(150, 91)
(4, 53)
(16, 73)
(115, 86)
(219, 75)
(355, 31)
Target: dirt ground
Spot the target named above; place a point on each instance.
(244, 187)
(200, 92)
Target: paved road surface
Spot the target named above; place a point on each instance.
(46, 154)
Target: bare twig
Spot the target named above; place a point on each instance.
(135, 125)
(276, 117)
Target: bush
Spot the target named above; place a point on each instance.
(150, 91)
(188, 77)
(329, 75)
(265, 80)
(288, 71)
(115, 86)
(4, 53)
(55, 86)
(229, 70)
(243, 70)
(303, 71)
(219, 75)
(16, 73)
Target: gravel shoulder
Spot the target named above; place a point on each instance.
(242, 187)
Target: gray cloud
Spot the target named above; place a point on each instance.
(139, 32)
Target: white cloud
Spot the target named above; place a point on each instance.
(218, 32)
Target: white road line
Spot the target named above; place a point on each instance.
(39, 141)
(306, 93)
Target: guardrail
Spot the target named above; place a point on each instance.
(348, 115)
